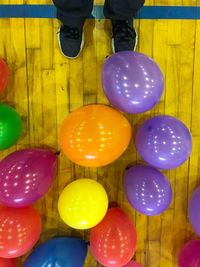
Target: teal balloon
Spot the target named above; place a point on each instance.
(59, 252)
(10, 126)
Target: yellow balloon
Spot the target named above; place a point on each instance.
(83, 204)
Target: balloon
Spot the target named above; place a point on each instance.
(19, 231)
(7, 262)
(190, 254)
(10, 125)
(132, 81)
(113, 240)
(194, 213)
(83, 204)
(133, 264)
(164, 142)
(26, 176)
(4, 72)
(147, 190)
(95, 135)
(59, 252)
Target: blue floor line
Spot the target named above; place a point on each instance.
(147, 12)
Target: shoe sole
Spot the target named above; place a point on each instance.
(136, 42)
(82, 44)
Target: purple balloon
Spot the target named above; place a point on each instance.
(147, 190)
(132, 81)
(25, 176)
(164, 142)
(194, 211)
(190, 254)
(133, 264)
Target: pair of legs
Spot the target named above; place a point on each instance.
(72, 14)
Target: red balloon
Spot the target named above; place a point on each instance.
(3, 75)
(113, 240)
(133, 264)
(7, 262)
(19, 231)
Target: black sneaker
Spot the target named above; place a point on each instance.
(124, 35)
(71, 41)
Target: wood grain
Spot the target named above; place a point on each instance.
(44, 87)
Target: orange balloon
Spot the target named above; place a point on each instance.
(7, 262)
(3, 75)
(95, 135)
(113, 240)
(19, 231)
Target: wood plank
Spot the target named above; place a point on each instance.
(45, 87)
(101, 2)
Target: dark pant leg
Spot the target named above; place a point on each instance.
(122, 9)
(72, 12)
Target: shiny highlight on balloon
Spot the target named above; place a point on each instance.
(83, 204)
(19, 231)
(25, 176)
(164, 142)
(132, 81)
(95, 135)
(147, 190)
(113, 240)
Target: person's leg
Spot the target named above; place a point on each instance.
(72, 14)
(121, 14)
(73, 11)
(122, 10)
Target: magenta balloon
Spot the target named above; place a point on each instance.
(26, 176)
(194, 211)
(190, 254)
(164, 142)
(133, 264)
(132, 81)
(147, 190)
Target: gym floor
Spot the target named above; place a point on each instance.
(45, 87)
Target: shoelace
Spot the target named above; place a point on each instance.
(72, 33)
(123, 31)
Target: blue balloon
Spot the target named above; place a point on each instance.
(58, 252)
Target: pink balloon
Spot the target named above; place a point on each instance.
(190, 254)
(133, 264)
(25, 176)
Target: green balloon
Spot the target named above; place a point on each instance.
(10, 126)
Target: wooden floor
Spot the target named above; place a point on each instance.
(44, 87)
